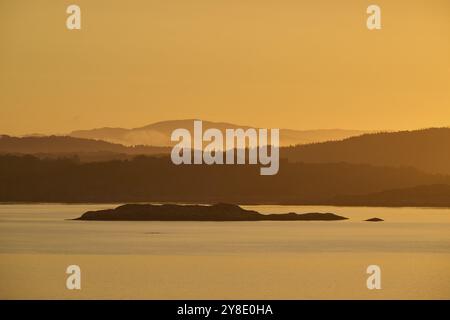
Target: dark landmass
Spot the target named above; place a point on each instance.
(156, 179)
(216, 212)
(427, 150)
(374, 220)
(436, 195)
(64, 146)
(368, 170)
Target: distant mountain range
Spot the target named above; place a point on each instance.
(158, 134)
(427, 150)
(407, 168)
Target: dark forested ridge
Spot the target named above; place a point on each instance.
(27, 178)
(64, 145)
(427, 150)
(409, 168)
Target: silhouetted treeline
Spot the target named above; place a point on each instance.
(156, 179)
(49, 145)
(427, 150)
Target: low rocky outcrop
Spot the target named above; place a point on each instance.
(374, 220)
(217, 212)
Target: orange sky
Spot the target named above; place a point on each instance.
(268, 63)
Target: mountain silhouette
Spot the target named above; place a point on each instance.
(158, 134)
(427, 150)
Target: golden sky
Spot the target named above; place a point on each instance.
(268, 63)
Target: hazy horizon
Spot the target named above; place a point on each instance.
(299, 65)
(144, 124)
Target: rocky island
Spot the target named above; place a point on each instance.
(216, 212)
(374, 220)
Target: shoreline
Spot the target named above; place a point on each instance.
(206, 204)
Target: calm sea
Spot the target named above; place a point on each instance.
(225, 260)
(47, 228)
